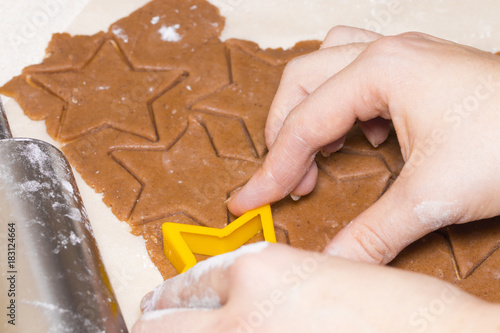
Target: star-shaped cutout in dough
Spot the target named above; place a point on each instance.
(312, 221)
(253, 85)
(189, 177)
(484, 282)
(472, 243)
(108, 92)
(429, 255)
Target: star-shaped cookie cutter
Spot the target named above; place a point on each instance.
(181, 241)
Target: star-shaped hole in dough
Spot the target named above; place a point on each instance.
(188, 178)
(108, 92)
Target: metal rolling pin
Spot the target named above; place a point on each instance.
(52, 276)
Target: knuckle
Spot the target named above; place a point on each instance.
(371, 245)
(388, 45)
(336, 33)
(412, 35)
(342, 35)
(275, 181)
(270, 135)
(382, 45)
(396, 44)
(293, 68)
(302, 140)
(273, 125)
(390, 51)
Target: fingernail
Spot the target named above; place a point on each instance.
(333, 251)
(372, 142)
(295, 197)
(235, 192)
(341, 144)
(324, 153)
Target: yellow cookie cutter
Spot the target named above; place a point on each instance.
(181, 241)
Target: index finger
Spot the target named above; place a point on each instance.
(305, 74)
(301, 77)
(357, 92)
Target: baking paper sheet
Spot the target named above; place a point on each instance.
(26, 27)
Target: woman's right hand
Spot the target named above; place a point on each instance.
(444, 101)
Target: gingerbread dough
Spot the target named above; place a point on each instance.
(165, 120)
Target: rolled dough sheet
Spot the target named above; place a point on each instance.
(276, 23)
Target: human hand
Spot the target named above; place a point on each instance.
(444, 101)
(277, 288)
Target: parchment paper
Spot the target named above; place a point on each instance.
(26, 27)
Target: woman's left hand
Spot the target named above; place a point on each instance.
(275, 288)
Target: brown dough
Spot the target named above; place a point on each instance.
(484, 282)
(91, 95)
(472, 243)
(166, 130)
(432, 248)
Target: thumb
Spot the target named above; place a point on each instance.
(397, 219)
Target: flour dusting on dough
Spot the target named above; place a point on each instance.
(155, 20)
(120, 34)
(170, 34)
